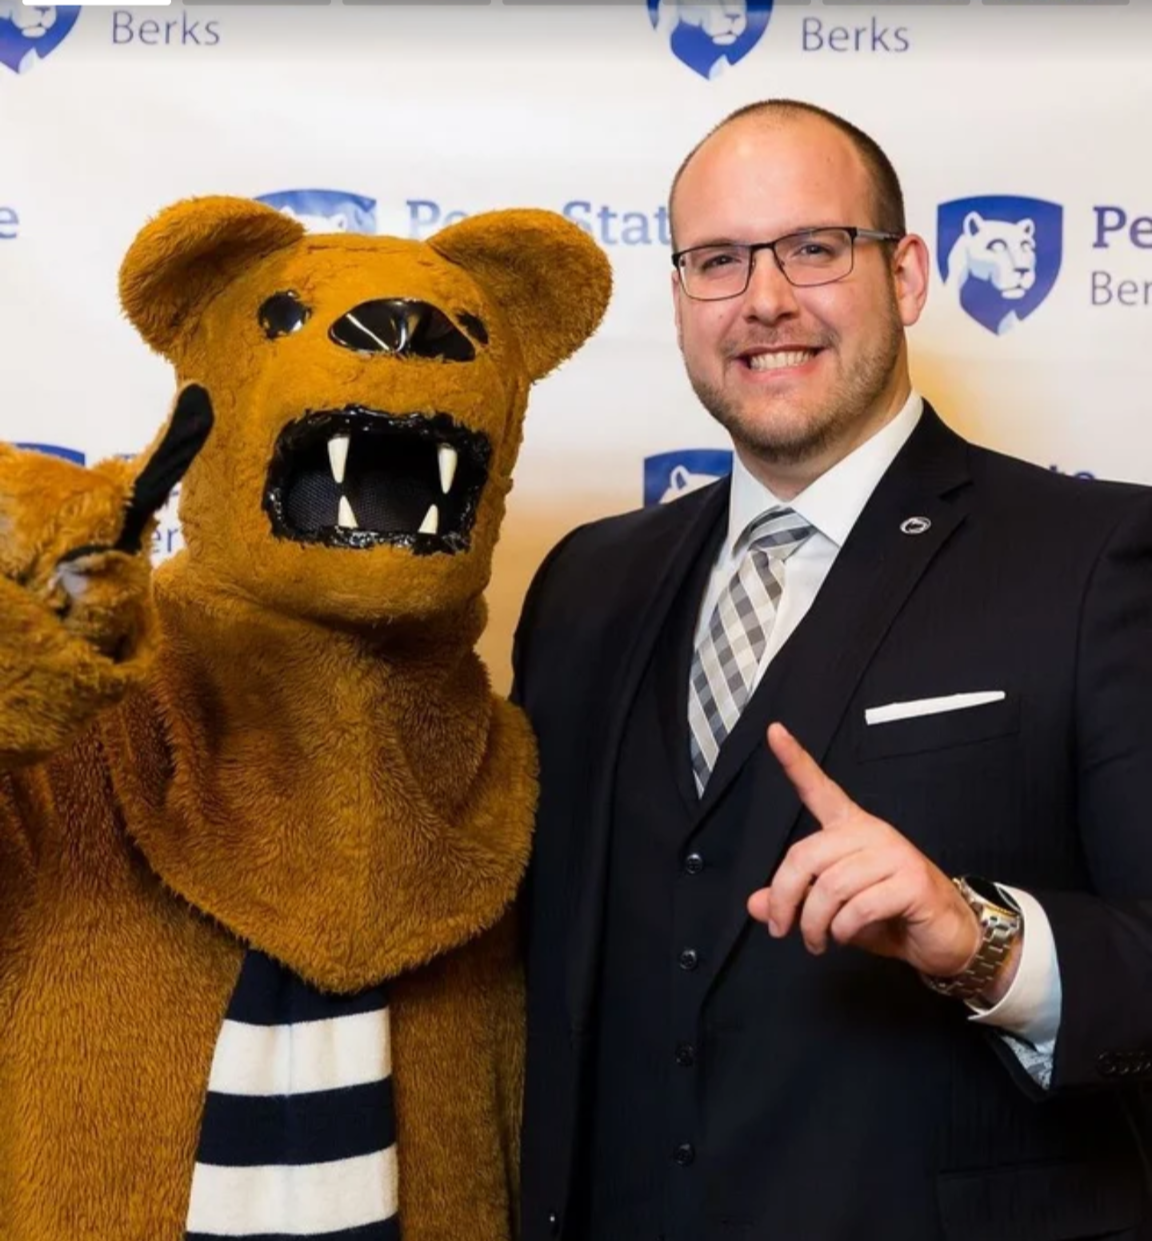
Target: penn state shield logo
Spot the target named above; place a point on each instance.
(29, 33)
(325, 211)
(713, 36)
(670, 475)
(1000, 255)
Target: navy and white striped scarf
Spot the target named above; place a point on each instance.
(299, 1130)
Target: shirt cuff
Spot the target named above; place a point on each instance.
(1031, 1007)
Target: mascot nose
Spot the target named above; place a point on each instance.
(401, 327)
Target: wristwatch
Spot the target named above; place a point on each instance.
(1000, 928)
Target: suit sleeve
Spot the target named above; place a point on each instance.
(1103, 938)
(521, 642)
(1028, 1017)
(521, 638)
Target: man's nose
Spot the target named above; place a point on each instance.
(770, 295)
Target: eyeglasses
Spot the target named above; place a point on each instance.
(810, 257)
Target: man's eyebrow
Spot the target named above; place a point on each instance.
(717, 241)
(733, 241)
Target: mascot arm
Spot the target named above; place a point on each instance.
(508, 995)
(76, 620)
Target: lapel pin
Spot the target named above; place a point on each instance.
(914, 525)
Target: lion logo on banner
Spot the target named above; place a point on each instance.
(1000, 256)
(29, 33)
(710, 37)
(670, 475)
(682, 480)
(998, 251)
(325, 211)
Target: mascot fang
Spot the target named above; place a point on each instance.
(262, 819)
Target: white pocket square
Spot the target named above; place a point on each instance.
(930, 706)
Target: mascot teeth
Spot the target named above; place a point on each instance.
(415, 480)
(338, 455)
(347, 518)
(448, 458)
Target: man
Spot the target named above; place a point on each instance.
(759, 1005)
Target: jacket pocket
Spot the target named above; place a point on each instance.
(921, 733)
(1039, 1202)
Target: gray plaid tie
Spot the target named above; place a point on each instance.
(725, 663)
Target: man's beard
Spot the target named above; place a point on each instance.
(805, 439)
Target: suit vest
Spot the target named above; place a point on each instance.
(668, 890)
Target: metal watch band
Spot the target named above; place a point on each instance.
(999, 930)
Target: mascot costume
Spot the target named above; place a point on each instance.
(262, 819)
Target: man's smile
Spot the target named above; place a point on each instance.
(779, 361)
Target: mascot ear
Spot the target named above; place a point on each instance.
(187, 253)
(549, 277)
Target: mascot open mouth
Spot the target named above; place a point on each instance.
(359, 478)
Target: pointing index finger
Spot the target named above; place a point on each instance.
(824, 798)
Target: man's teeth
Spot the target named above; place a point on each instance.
(447, 458)
(338, 456)
(347, 518)
(775, 361)
(431, 522)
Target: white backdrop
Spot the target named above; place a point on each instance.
(397, 116)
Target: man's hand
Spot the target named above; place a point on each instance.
(862, 883)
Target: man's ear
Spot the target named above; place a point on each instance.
(549, 277)
(187, 253)
(677, 312)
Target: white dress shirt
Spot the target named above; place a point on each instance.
(1029, 1014)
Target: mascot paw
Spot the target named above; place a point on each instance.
(73, 538)
(76, 613)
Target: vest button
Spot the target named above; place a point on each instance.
(688, 959)
(685, 1055)
(684, 1154)
(693, 864)
(553, 1224)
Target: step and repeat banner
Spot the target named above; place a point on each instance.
(1021, 132)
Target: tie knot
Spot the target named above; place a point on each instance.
(778, 533)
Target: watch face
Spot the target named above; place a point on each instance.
(989, 893)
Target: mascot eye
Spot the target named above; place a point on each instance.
(474, 326)
(282, 314)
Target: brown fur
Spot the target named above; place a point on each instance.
(276, 743)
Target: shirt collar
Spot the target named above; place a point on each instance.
(833, 501)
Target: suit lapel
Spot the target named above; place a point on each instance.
(812, 679)
(662, 564)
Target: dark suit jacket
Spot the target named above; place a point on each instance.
(842, 1099)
